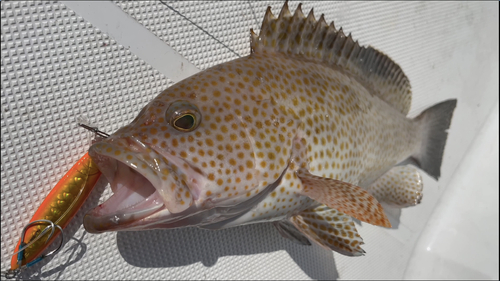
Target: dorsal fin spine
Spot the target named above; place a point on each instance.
(298, 11)
(353, 56)
(337, 46)
(310, 16)
(267, 17)
(351, 49)
(322, 20)
(332, 24)
(329, 41)
(298, 39)
(285, 12)
(344, 49)
(321, 34)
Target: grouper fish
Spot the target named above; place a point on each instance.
(307, 132)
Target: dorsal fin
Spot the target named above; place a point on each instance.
(315, 40)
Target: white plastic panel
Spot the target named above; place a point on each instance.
(460, 240)
(57, 65)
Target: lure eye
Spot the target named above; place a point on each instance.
(183, 116)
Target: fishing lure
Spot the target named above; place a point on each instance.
(56, 211)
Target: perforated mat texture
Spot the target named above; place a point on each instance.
(57, 66)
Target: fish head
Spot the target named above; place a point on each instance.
(197, 150)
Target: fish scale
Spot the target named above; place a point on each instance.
(306, 131)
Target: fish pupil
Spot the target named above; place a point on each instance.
(185, 122)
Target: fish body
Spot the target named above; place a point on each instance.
(304, 132)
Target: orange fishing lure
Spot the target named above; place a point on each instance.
(59, 207)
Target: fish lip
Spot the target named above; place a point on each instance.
(97, 222)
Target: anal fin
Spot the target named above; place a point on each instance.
(331, 229)
(345, 197)
(400, 187)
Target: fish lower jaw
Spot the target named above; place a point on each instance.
(99, 220)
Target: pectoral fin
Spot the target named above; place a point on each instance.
(345, 197)
(400, 187)
(330, 229)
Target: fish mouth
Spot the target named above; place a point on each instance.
(134, 171)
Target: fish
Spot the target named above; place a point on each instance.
(307, 132)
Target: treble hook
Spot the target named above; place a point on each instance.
(12, 273)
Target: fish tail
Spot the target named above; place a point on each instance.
(435, 122)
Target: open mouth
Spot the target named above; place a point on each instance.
(134, 198)
(135, 173)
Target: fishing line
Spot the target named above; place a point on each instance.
(200, 28)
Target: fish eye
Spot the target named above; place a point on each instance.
(184, 123)
(183, 116)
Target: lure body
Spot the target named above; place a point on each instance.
(60, 206)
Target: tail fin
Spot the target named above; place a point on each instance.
(435, 121)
